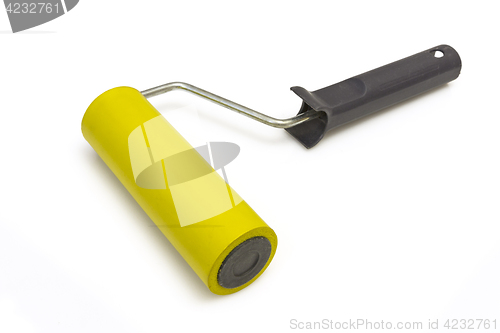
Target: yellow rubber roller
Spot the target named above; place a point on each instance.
(224, 241)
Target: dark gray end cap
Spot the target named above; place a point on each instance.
(244, 262)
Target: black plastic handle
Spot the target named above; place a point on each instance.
(372, 91)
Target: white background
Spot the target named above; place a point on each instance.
(392, 218)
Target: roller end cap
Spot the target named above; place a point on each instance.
(244, 262)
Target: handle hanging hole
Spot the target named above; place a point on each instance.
(438, 54)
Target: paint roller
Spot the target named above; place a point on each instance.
(225, 242)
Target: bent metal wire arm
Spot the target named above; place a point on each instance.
(274, 122)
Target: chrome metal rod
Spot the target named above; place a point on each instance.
(274, 122)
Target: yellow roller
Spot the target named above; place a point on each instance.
(225, 242)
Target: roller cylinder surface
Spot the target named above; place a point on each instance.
(224, 241)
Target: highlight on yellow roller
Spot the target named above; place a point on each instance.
(224, 241)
